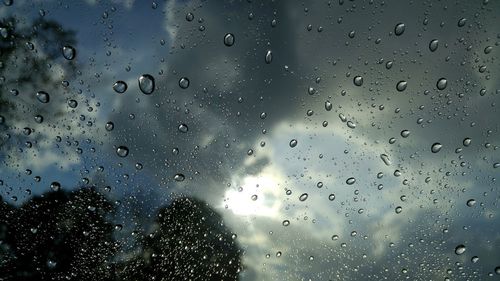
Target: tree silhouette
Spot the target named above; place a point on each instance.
(190, 242)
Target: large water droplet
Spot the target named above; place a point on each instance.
(303, 197)
(146, 84)
(179, 177)
(358, 81)
(229, 39)
(401, 86)
(68, 52)
(184, 83)
(328, 105)
(467, 141)
(441, 84)
(189, 16)
(120, 87)
(496, 165)
(122, 151)
(385, 159)
(436, 147)
(269, 57)
(293, 143)
(350, 181)
(460, 249)
(399, 29)
(433, 45)
(183, 128)
(43, 97)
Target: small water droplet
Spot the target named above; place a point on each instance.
(184, 83)
(399, 29)
(146, 84)
(120, 87)
(43, 97)
(122, 151)
(229, 39)
(350, 181)
(461, 22)
(460, 249)
(269, 57)
(358, 81)
(55, 186)
(401, 86)
(496, 165)
(474, 259)
(441, 84)
(405, 133)
(328, 105)
(331, 197)
(433, 45)
(293, 143)
(385, 159)
(467, 141)
(398, 209)
(189, 16)
(72, 103)
(109, 126)
(471, 202)
(351, 124)
(183, 128)
(179, 177)
(436, 147)
(303, 197)
(68, 52)
(286, 223)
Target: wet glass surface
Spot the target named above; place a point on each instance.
(249, 140)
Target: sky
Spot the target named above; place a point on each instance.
(291, 206)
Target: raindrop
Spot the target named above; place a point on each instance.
(269, 57)
(460, 249)
(331, 197)
(471, 202)
(68, 52)
(120, 87)
(351, 124)
(254, 197)
(109, 126)
(43, 97)
(399, 29)
(350, 181)
(146, 84)
(179, 177)
(386, 159)
(55, 186)
(183, 128)
(184, 83)
(496, 165)
(488, 49)
(461, 22)
(441, 84)
(328, 105)
(433, 45)
(122, 151)
(467, 141)
(405, 133)
(286, 223)
(358, 81)
(72, 103)
(189, 16)
(293, 143)
(474, 259)
(401, 86)
(303, 197)
(229, 39)
(398, 209)
(436, 147)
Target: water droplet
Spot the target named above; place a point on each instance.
(331, 197)
(120, 87)
(122, 151)
(55, 186)
(496, 165)
(319, 185)
(471, 202)
(399, 29)
(460, 249)
(497, 270)
(269, 57)
(189, 16)
(72, 103)
(350, 181)
(474, 259)
(293, 143)
(303, 197)
(109, 126)
(398, 209)
(385, 159)
(436, 147)
(351, 124)
(358, 81)
(488, 49)
(401, 86)
(328, 105)
(179, 177)
(405, 133)
(249, 152)
(184, 83)
(467, 141)
(461, 22)
(146, 84)
(441, 84)
(286, 223)
(68, 52)
(254, 197)
(183, 128)
(433, 45)
(229, 39)
(43, 97)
